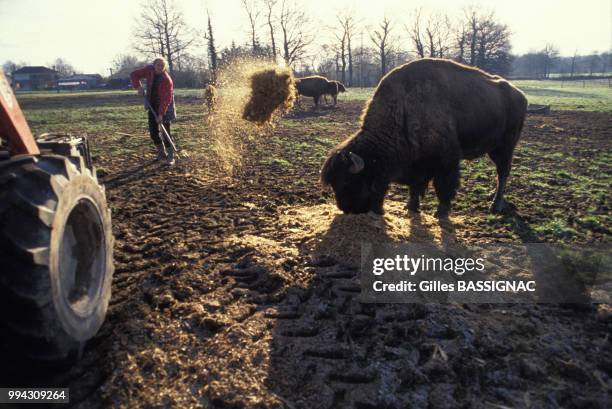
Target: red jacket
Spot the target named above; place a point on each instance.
(165, 89)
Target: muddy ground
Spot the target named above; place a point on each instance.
(220, 301)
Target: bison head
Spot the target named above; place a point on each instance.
(357, 183)
(341, 87)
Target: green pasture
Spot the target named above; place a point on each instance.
(582, 95)
(595, 95)
(116, 124)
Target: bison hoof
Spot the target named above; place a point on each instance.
(442, 212)
(498, 207)
(413, 208)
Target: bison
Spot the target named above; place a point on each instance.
(424, 118)
(338, 89)
(210, 97)
(315, 86)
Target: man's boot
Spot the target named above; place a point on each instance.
(170, 157)
(161, 152)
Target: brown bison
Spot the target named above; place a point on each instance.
(424, 117)
(315, 86)
(338, 89)
(210, 97)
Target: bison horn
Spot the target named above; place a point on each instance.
(358, 163)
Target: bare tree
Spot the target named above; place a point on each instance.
(9, 67)
(124, 63)
(461, 40)
(341, 50)
(415, 34)
(269, 5)
(434, 38)
(350, 31)
(549, 54)
(573, 64)
(293, 21)
(594, 60)
(383, 43)
(487, 42)
(473, 27)
(63, 68)
(253, 13)
(161, 30)
(344, 36)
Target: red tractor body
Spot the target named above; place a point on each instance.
(13, 126)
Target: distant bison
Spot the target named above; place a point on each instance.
(336, 90)
(210, 97)
(315, 86)
(424, 117)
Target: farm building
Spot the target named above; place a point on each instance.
(35, 78)
(80, 81)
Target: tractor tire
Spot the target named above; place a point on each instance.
(56, 257)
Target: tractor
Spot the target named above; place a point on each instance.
(56, 243)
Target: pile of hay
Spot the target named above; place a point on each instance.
(325, 233)
(271, 89)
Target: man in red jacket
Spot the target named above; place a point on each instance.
(160, 94)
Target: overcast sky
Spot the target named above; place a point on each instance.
(90, 34)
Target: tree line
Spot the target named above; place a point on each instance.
(356, 54)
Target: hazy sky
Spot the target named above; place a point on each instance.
(90, 34)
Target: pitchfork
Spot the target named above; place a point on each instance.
(150, 108)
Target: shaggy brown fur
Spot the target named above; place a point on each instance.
(424, 117)
(210, 97)
(315, 86)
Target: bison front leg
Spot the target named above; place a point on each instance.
(417, 191)
(503, 162)
(446, 185)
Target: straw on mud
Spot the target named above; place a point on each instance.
(325, 233)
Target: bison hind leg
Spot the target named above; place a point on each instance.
(503, 162)
(446, 185)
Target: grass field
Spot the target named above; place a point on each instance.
(568, 95)
(115, 120)
(227, 294)
(594, 95)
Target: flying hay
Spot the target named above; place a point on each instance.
(271, 89)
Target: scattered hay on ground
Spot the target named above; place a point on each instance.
(325, 233)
